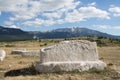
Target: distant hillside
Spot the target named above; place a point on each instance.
(10, 34)
(10, 31)
(73, 32)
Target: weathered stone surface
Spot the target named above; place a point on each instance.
(2, 55)
(69, 66)
(31, 53)
(70, 51)
(78, 55)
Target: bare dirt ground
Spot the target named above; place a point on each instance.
(17, 67)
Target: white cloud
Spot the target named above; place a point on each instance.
(8, 23)
(13, 5)
(74, 16)
(29, 9)
(19, 8)
(48, 12)
(14, 26)
(38, 22)
(71, 6)
(89, 12)
(81, 14)
(84, 13)
(51, 5)
(58, 13)
(107, 27)
(53, 15)
(92, 4)
(35, 22)
(115, 11)
(60, 21)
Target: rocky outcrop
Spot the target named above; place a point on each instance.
(72, 55)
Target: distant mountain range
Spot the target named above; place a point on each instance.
(9, 34)
(74, 32)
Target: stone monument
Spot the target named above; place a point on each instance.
(81, 55)
(2, 55)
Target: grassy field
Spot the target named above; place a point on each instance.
(17, 67)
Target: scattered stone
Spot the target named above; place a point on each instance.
(81, 55)
(32, 53)
(25, 52)
(21, 51)
(2, 55)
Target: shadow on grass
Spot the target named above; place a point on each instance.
(22, 71)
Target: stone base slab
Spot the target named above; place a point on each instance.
(69, 66)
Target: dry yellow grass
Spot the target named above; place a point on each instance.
(110, 55)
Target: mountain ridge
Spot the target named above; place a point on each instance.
(13, 34)
(73, 32)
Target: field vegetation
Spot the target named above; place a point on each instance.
(18, 67)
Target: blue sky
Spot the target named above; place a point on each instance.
(43, 15)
